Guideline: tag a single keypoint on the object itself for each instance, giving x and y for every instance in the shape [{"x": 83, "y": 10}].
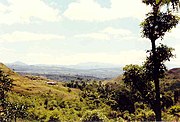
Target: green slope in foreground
[{"x": 44, "y": 100}]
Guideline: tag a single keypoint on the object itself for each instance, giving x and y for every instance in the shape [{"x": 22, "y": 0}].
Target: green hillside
[
  {"x": 85, "y": 100},
  {"x": 37, "y": 86},
  {"x": 36, "y": 92}
]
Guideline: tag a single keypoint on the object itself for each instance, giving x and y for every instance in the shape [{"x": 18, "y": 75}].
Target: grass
[
  {"x": 39, "y": 87},
  {"x": 34, "y": 92}
]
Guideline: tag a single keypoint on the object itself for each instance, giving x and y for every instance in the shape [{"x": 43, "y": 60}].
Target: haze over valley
[{"x": 68, "y": 72}]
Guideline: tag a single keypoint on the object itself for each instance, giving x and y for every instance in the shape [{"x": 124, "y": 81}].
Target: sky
[{"x": 68, "y": 32}]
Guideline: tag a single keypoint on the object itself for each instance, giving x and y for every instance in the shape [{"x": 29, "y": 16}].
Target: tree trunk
[{"x": 156, "y": 82}]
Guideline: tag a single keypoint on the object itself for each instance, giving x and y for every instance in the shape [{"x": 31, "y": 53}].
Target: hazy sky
[{"x": 76, "y": 31}]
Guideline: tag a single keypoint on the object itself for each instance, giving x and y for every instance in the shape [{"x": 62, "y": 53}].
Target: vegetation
[
  {"x": 114, "y": 100},
  {"x": 139, "y": 79},
  {"x": 8, "y": 110},
  {"x": 157, "y": 23}
]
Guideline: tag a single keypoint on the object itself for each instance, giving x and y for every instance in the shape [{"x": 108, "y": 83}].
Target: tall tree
[
  {"x": 139, "y": 78},
  {"x": 157, "y": 23}
]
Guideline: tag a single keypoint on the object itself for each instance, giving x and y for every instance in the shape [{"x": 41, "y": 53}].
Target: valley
[{"x": 95, "y": 71}]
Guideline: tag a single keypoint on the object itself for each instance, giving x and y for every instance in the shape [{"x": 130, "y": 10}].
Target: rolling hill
[
  {"x": 175, "y": 73},
  {"x": 37, "y": 86},
  {"x": 94, "y": 70}
]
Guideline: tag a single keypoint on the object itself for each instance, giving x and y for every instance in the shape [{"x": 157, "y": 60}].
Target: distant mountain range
[
  {"x": 93, "y": 65},
  {"x": 99, "y": 70},
  {"x": 18, "y": 63}
]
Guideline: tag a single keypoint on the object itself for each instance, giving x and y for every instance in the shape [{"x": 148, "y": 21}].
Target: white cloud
[
  {"x": 28, "y": 36},
  {"x": 90, "y": 10},
  {"x": 7, "y": 55},
  {"x": 96, "y": 36},
  {"x": 108, "y": 33},
  {"x": 113, "y": 31},
  {"x": 124, "y": 57},
  {"x": 174, "y": 33},
  {"x": 23, "y": 11},
  {"x": 175, "y": 61},
  {"x": 47, "y": 57},
  {"x": 3, "y": 8}
]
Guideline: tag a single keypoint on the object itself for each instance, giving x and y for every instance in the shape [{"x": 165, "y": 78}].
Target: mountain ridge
[{"x": 99, "y": 71}]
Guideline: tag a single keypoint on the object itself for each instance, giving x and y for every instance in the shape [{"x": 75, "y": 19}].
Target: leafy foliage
[
  {"x": 154, "y": 28},
  {"x": 174, "y": 3},
  {"x": 8, "y": 110},
  {"x": 174, "y": 110},
  {"x": 5, "y": 86},
  {"x": 91, "y": 116},
  {"x": 139, "y": 78},
  {"x": 163, "y": 54},
  {"x": 13, "y": 111},
  {"x": 157, "y": 23}
]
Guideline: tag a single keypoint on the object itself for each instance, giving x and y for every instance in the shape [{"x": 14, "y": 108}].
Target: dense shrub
[
  {"x": 174, "y": 110},
  {"x": 94, "y": 115}
]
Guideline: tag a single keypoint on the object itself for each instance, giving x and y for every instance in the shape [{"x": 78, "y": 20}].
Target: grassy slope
[
  {"x": 35, "y": 92},
  {"x": 26, "y": 86}
]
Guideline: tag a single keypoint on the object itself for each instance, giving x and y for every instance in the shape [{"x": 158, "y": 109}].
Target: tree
[
  {"x": 139, "y": 78},
  {"x": 157, "y": 23},
  {"x": 5, "y": 86},
  {"x": 8, "y": 110}
]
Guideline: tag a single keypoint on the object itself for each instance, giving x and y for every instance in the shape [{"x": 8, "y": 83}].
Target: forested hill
[
  {"x": 172, "y": 80},
  {"x": 175, "y": 72}
]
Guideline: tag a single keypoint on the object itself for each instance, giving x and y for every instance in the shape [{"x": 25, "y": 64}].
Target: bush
[
  {"x": 94, "y": 115},
  {"x": 174, "y": 110}
]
